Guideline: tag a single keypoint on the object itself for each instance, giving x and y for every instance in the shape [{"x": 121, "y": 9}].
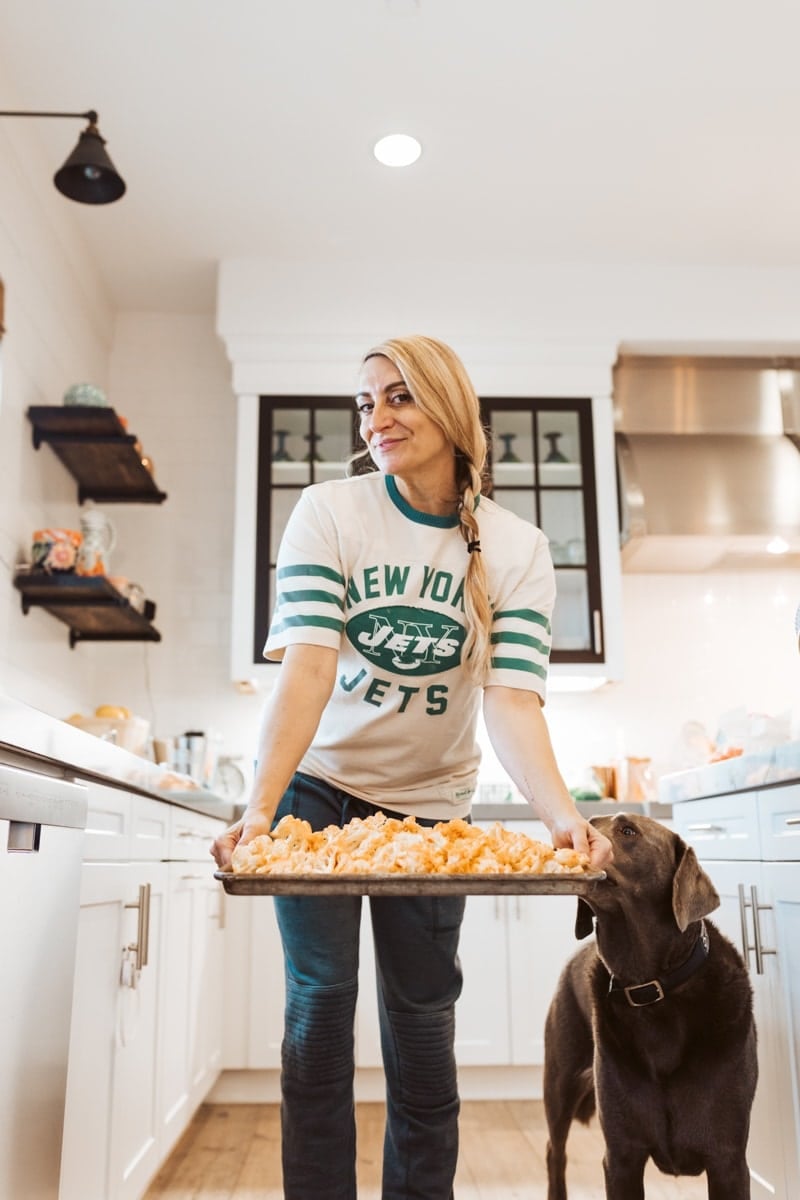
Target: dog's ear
[
  {"x": 584, "y": 920},
  {"x": 693, "y": 894}
]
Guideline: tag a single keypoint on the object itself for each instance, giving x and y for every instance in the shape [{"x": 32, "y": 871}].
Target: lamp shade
[{"x": 88, "y": 175}]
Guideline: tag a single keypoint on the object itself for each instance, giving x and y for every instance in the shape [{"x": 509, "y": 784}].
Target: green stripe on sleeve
[
  {"x": 309, "y": 621},
  {"x": 519, "y": 664},
  {"x": 520, "y": 639},
  {"x": 525, "y": 614},
  {"x": 308, "y": 595},
  {"x": 310, "y": 569}
]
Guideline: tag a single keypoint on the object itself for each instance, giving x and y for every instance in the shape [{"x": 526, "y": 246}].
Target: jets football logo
[{"x": 397, "y": 638}]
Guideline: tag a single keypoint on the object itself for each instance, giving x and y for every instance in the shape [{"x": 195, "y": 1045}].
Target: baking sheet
[{"x": 399, "y": 884}]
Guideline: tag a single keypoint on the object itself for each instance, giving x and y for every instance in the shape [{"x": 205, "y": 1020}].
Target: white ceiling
[{"x": 629, "y": 131}]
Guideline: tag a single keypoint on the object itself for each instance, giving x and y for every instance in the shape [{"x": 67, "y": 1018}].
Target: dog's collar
[{"x": 640, "y": 994}]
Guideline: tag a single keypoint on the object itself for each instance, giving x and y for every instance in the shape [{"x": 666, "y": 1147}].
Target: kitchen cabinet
[
  {"x": 749, "y": 843},
  {"x": 193, "y": 976},
  {"x": 111, "y": 1118},
  {"x": 544, "y": 466},
  {"x": 146, "y": 1021},
  {"x": 97, "y": 450}
]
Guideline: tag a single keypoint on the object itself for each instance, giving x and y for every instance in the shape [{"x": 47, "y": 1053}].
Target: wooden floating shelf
[
  {"x": 89, "y": 605},
  {"x": 98, "y": 452}
]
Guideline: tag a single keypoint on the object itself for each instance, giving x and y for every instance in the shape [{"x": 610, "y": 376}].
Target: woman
[{"x": 404, "y": 597}]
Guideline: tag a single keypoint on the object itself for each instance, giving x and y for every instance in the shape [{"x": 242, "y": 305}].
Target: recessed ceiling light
[{"x": 397, "y": 150}]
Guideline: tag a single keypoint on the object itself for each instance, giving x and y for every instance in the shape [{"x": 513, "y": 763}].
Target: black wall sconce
[{"x": 88, "y": 175}]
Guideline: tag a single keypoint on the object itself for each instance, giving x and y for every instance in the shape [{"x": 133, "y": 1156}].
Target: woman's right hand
[{"x": 253, "y": 822}]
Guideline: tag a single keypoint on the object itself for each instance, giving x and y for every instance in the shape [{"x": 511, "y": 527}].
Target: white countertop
[
  {"x": 53, "y": 745},
  {"x": 766, "y": 768}
]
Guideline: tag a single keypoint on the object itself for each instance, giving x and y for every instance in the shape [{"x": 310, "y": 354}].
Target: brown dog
[{"x": 653, "y": 1025}]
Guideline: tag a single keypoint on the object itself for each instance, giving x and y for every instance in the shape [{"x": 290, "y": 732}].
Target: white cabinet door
[
  {"x": 782, "y": 881},
  {"x": 134, "y": 1152},
  {"x": 266, "y": 991},
  {"x": 206, "y": 984},
  {"x": 176, "y": 1035},
  {"x": 541, "y": 938},
  {"x": 764, "y": 1149},
  {"x": 483, "y": 1016},
  {"x": 110, "y": 1124},
  {"x": 193, "y": 977}
]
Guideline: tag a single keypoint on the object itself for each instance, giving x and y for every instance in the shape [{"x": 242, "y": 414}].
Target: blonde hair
[{"x": 442, "y": 389}]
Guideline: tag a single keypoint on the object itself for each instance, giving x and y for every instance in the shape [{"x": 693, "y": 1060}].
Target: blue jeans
[{"x": 419, "y": 981}]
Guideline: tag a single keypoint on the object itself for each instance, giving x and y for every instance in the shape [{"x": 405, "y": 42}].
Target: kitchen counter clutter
[
  {"x": 35, "y": 740},
  {"x": 778, "y": 764}
]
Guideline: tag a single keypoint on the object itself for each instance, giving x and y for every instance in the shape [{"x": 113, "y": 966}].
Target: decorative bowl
[{"x": 86, "y": 394}]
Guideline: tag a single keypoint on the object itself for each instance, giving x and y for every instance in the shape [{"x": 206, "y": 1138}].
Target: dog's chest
[{"x": 654, "y": 1043}]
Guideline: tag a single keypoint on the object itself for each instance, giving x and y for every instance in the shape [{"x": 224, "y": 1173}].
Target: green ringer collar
[{"x": 413, "y": 514}]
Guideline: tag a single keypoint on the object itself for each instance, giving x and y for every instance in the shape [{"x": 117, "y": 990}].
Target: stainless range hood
[{"x": 708, "y": 462}]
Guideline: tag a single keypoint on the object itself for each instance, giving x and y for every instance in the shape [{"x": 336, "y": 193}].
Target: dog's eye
[{"x": 629, "y": 831}]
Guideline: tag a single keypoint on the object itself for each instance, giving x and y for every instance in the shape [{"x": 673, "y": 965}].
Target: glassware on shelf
[
  {"x": 281, "y": 454},
  {"x": 508, "y": 455},
  {"x": 554, "y": 454},
  {"x": 313, "y": 454}
]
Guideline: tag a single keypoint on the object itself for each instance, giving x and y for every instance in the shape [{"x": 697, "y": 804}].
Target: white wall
[
  {"x": 696, "y": 647},
  {"x": 59, "y": 329},
  {"x": 171, "y": 378}
]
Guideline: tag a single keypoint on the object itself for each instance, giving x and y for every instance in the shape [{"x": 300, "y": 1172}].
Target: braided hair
[{"x": 441, "y": 388}]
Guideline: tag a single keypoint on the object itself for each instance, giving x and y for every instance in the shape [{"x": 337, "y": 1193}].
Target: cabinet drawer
[
  {"x": 779, "y": 811},
  {"x": 149, "y": 829},
  {"x": 191, "y": 835},
  {"x": 720, "y": 826},
  {"x": 108, "y": 824}
]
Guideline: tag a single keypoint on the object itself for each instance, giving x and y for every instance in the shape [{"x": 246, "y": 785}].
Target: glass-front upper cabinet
[
  {"x": 301, "y": 440},
  {"x": 542, "y": 467}
]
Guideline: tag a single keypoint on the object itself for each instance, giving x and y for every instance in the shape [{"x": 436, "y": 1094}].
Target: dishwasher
[{"x": 42, "y": 824}]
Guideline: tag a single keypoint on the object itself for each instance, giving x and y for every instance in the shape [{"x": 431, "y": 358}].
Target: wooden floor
[{"x": 232, "y": 1152}]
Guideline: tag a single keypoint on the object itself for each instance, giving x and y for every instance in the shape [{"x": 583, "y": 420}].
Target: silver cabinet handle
[
  {"x": 141, "y": 946},
  {"x": 760, "y": 951},
  {"x": 792, "y": 821},
  {"x": 705, "y": 827},
  {"x": 743, "y": 907}
]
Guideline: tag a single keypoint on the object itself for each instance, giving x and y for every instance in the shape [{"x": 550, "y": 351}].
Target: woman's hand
[
  {"x": 582, "y": 836},
  {"x": 252, "y": 823}
]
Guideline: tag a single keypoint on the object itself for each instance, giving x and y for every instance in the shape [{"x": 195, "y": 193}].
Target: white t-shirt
[{"x": 363, "y": 572}]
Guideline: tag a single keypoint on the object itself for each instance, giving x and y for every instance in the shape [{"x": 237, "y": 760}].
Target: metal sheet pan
[{"x": 399, "y": 884}]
